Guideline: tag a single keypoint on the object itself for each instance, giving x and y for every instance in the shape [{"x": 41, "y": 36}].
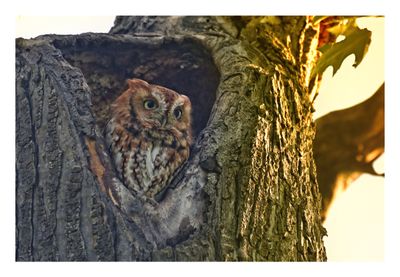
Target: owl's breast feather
[{"x": 151, "y": 154}]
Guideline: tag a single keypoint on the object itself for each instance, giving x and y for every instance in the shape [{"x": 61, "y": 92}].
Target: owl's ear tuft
[
  {"x": 135, "y": 83},
  {"x": 186, "y": 99}
]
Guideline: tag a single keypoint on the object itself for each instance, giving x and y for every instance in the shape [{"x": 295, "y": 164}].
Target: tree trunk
[{"x": 249, "y": 189}]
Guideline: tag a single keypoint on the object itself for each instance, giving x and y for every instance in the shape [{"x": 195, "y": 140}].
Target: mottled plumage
[{"x": 149, "y": 135}]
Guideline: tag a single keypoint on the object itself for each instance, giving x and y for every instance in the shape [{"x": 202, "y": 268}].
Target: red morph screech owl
[{"x": 149, "y": 136}]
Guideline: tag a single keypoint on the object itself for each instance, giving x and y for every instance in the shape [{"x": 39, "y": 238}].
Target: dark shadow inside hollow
[{"x": 182, "y": 65}]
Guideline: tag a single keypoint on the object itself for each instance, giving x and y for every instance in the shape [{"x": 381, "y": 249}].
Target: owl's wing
[
  {"x": 174, "y": 179},
  {"x": 111, "y": 138}
]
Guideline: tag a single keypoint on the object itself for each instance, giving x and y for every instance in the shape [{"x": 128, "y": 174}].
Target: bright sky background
[
  {"x": 355, "y": 220},
  {"x": 33, "y": 26}
]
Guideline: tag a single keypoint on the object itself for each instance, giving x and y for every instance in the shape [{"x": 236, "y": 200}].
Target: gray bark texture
[{"x": 249, "y": 189}]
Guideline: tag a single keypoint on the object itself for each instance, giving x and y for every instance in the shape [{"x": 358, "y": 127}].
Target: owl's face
[{"x": 156, "y": 108}]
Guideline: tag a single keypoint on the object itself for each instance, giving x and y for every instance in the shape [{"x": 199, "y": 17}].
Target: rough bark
[
  {"x": 347, "y": 143},
  {"x": 248, "y": 191}
]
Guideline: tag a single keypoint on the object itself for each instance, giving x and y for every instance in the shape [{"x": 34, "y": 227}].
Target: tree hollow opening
[{"x": 181, "y": 64}]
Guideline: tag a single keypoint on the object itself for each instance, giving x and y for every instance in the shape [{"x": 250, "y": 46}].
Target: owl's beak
[{"x": 163, "y": 121}]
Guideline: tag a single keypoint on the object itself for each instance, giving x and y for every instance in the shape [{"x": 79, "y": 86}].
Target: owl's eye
[
  {"x": 178, "y": 113},
  {"x": 150, "y": 104}
]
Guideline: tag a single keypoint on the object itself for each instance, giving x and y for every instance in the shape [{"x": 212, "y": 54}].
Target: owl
[{"x": 149, "y": 136}]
